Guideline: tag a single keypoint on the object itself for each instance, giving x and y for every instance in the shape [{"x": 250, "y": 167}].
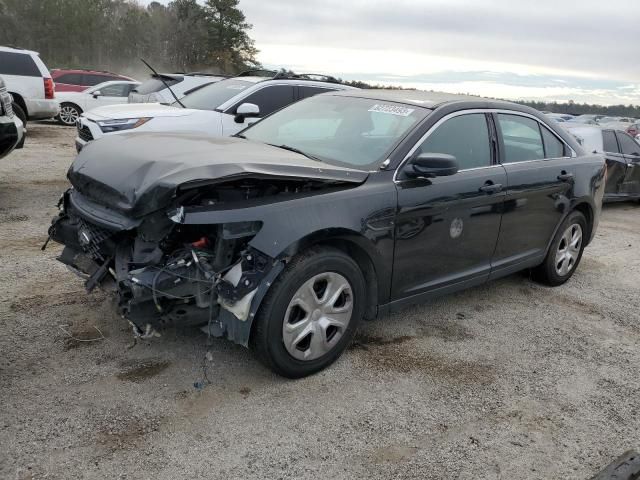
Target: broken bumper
[{"x": 161, "y": 276}]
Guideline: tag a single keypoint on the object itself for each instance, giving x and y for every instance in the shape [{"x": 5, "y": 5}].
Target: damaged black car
[{"x": 342, "y": 207}]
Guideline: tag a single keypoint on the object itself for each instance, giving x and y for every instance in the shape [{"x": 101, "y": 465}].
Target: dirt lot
[{"x": 509, "y": 380}]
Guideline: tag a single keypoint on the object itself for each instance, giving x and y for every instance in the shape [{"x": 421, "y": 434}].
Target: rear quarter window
[{"x": 12, "y": 63}]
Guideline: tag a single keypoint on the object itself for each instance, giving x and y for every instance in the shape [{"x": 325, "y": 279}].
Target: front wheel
[
  {"x": 69, "y": 114},
  {"x": 310, "y": 313},
  {"x": 565, "y": 252}
]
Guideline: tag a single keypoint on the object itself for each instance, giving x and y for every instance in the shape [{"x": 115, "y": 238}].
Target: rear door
[
  {"x": 630, "y": 184},
  {"x": 540, "y": 182},
  {"x": 616, "y": 164},
  {"x": 447, "y": 227}
]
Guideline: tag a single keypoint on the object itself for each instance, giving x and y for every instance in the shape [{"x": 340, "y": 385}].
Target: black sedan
[
  {"x": 622, "y": 153},
  {"x": 339, "y": 208}
]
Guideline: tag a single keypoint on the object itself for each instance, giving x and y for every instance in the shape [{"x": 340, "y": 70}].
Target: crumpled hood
[
  {"x": 138, "y": 173},
  {"x": 136, "y": 110}
]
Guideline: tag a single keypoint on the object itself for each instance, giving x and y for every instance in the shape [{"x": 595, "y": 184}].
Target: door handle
[
  {"x": 565, "y": 177},
  {"x": 491, "y": 187}
]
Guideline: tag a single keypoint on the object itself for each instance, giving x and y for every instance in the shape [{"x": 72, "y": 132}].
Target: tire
[
  {"x": 17, "y": 109},
  {"x": 69, "y": 114},
  {"x": 558, "y": 267},
  {"x": 291, "y": 323}
]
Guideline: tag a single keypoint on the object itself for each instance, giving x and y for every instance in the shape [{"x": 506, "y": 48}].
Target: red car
[{"x": 79, "y": 80}]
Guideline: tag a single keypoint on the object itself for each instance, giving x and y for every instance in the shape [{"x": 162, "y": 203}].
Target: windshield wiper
[
  {"x": 296, "y": 150},
  {"x": 239, "y": 135}
]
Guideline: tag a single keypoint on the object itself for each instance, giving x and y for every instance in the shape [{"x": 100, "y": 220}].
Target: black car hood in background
[{"x": 138, "y": 173}]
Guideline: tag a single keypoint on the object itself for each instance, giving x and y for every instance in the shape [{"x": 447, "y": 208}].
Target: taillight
[{"x": 49, "y": 89}]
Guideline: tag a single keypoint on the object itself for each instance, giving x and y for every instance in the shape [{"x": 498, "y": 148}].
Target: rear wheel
[
  {"x": 69, "y": 114},
  {"x": 565, "y": 252},
  {"x": 310, "y": 313}
]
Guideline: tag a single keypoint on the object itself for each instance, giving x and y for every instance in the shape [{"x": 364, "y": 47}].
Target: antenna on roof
[{"x": 159, "y": 77}]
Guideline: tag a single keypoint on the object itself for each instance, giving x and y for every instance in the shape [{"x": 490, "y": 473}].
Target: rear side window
[
  {"x": 609, "y": 143},
  {"x": 270, "y": 99},
  {"x": 521, "y": 137},
  {"x": 306, "y": 91},
  {"x": 628, "y": 145},
  {"x": 12, "y": 63},
  {"x": 155, "y": 85},
  {"x": 553, "y": 148},
  {"x": 466, "y": 137}
]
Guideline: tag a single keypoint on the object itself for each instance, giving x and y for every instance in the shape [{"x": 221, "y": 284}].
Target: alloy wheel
[
  {"x": 317, "y": 316},
  {"x": 568, "y": 249},
  {"x": 69, "y": 115}
]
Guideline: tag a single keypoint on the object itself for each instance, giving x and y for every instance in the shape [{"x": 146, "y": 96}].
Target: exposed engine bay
[{"x": 167, "y": 273}]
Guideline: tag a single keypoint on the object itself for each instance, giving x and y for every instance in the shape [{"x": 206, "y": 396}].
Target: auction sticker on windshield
[{"x": 392, "y": 109}]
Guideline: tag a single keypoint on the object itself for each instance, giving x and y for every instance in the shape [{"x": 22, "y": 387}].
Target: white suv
[
  {"x": 29, "y": 82},
  {"x": 221, "y": 109}
]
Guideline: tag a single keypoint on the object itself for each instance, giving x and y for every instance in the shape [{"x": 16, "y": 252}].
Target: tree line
[
  {"x": 115, "y": 34},
  {"x": 585, "y": 108}
]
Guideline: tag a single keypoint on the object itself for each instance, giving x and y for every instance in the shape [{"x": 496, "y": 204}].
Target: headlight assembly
[{"x": 108, "y": 126}]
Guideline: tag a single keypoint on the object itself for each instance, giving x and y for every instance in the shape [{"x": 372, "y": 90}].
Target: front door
[
  {"x": 268, "y": 99},
  {"x": 540, "y": 180},
  {"x": 447, "y": 227}
]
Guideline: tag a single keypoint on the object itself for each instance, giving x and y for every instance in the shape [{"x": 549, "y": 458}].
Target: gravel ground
[{"x": 508, "y": 380}]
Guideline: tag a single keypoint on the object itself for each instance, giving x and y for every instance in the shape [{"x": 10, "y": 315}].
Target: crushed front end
[{"x": 166, "y": 273}]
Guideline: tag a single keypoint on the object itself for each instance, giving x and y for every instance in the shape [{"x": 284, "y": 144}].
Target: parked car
[
  {"x": 11, "y": 127},
  {"x": 220, "y": 109},
  {"x": 634, "y": 129},
  {"x": 154, "y": 90},
  {"x": 29, "y": 82},
  {"x": 560, "y": 117},
  {"x": 79, "y": 80},
  {"x": 615, "y": 121},
  {"x": 589, "y": 119},
  {"x": 339, "y": 207},
  {"x": 622, "y": 153},
  {"x": 72, "y": 104}
]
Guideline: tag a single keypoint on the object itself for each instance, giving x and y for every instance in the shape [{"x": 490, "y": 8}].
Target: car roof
[
  {"x": 430, "y": 100},
  {"x": 113, "y": 82},
  {"x": 18, "y": 50}
]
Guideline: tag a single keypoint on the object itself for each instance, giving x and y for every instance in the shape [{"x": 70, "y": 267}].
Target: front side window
[
  {"x": 344, "y": 131},
  {"x": 521, "y": 137},
  {"x": 609, "y": 143},
  {"x": 70, "y": 79},
  {"x": 466, "y": 137},
  {"x": 628, "y": 145},
  {"x": 269, "y": 99},
  {"x": 213, "y": 95},
  {"x": 117, "y": 90}
]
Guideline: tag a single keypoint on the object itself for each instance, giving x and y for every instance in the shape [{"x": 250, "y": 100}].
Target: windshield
[
  {"x": 214, "y": 95},
  {"x": 344, "y": 131}
]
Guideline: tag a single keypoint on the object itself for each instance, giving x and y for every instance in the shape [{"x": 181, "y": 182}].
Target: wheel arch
[
  {"x": 587, "y": 210},
  {"x": 358, "y": 247},
  {"x": 80, "y": 110},
  {"x": 20, "y": 101}
]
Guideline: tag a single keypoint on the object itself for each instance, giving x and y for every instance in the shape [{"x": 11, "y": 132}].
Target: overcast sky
[{"x": 584, "y": 50}]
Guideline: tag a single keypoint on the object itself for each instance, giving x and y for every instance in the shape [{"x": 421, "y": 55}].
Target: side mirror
[
  {"x": 429, "y": 165},
  {"x": 96, "y": 94},
  {"x": 246, "y": 110}
]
